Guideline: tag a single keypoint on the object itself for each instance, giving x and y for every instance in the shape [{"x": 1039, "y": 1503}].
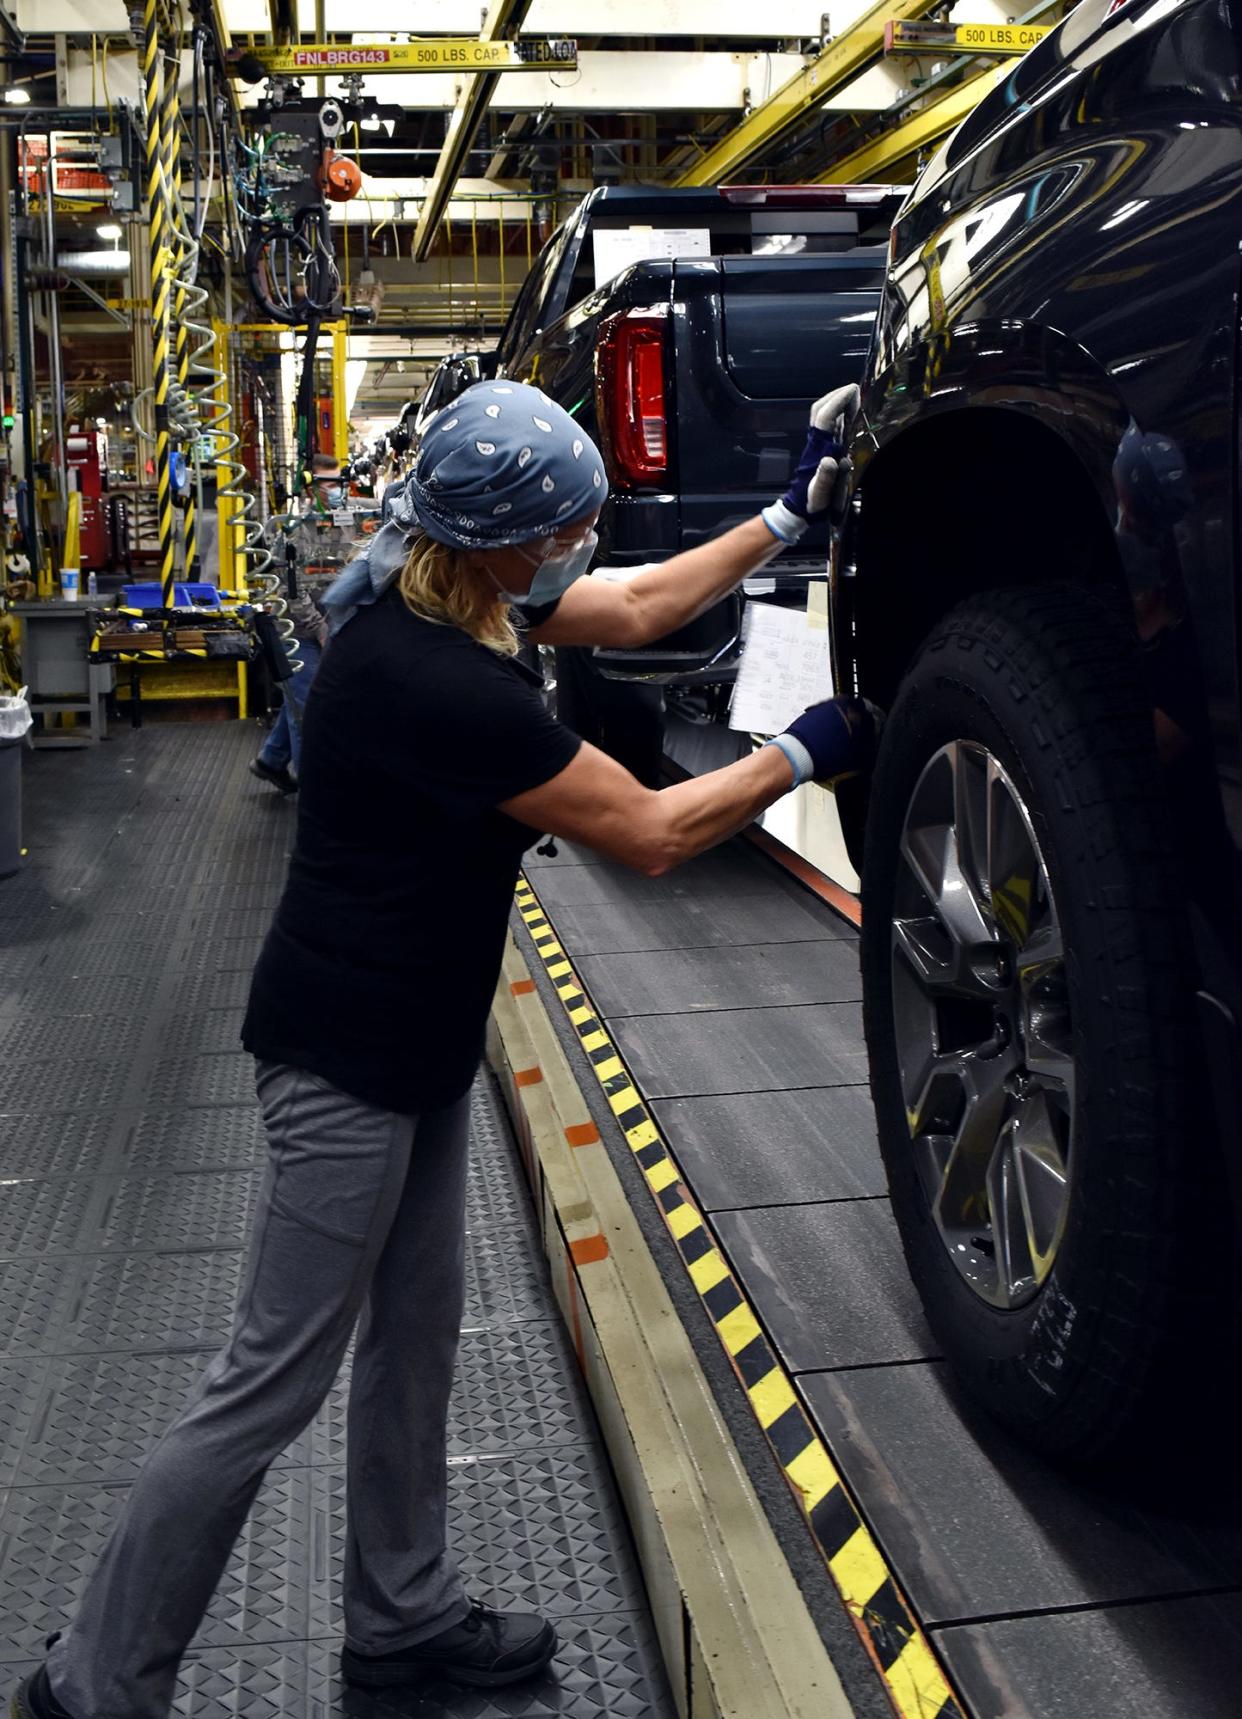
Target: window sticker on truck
[{"x": 617, "y": 248}]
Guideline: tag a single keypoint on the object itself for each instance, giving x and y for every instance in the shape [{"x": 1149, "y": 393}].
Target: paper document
[
  {"x": 785, "y": 666},
  {"x": 617, "y": 248}
]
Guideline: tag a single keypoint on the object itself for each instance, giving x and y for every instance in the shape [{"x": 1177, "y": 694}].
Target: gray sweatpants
[{"x": 361, "y": 1212}]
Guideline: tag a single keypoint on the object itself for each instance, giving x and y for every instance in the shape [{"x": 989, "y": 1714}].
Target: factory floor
[
  {"x": 130, "y": 1147},
  {"x": 714, "y": 1017}
]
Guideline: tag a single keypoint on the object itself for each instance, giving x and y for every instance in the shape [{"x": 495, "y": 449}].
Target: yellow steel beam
[
  {"x": 841, "y": 60},
  {"x": 504, "y": 19},
  {"x": 877, "y": 160},
  {"x": 434, "y": 54}
]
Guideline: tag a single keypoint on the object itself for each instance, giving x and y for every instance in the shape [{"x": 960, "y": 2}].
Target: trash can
[{"x": 15, "y": 722}]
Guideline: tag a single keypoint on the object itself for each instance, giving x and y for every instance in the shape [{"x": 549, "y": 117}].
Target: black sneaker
[
  {"x": 33, "y": 1698},
  {"x": 486, "y": 1649},
  {"x": 278, "y": 778}
]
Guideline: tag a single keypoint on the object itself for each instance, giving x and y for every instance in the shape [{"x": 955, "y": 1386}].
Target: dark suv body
[{"x": 1038, "y": 577}]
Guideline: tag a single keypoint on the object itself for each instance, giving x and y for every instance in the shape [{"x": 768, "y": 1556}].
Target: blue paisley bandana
[{"x": 503, "y": 464}]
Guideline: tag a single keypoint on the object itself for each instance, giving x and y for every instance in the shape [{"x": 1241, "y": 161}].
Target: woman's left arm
[
  {"x": 626, "y": 613},
  {"x": 661, "y": 599}
]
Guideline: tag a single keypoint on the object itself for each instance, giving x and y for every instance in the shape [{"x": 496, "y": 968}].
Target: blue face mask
[
  {"x": 555, "y": 573},
  {"x": 333, "y": 495}
]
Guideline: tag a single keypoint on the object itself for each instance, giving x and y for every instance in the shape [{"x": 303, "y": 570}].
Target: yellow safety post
[
  {"x": 161, "y": 328},
  {"x": 500, "y": 245},
  {"x": 72, "y": 556},
  {"x": 170, "y": 125},
  {"x": 340, "y": 424}
]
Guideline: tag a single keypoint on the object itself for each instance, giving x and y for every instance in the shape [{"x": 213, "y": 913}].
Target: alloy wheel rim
[{"x": 982, "y": 1023}]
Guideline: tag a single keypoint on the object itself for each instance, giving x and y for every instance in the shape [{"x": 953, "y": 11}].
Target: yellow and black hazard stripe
[
  {"x": 912, "y": 1674},
  {"x": 161, "y": 268},
  {"x": 170, "y": 125}
]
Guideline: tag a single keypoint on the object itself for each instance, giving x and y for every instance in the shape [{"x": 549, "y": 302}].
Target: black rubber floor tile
[
  {"x": 218, "y": 1137},
  {"x": 230, "y": 897},
  {"x": 211, "y": 1209},
  {"x": 205, "y": 1032},
  {"x": 517, "y": 1389},
  {"x": 1170, "y": 1659},
  {"x": 65, "y": 1083},
  {"x": 97, "y": 1416},
  {"x": 259, "y": 1682},
  {"x": 232, "y": 921},
  {"x": 724, "y": 871},
  {"x": 776, "y": 1148},
  {"x": 505, "y": 1277},
  {"x": 33, "y": 1035},
  {"x": 99, "y": 957},
  {"x": 23, "y": 1381},
  {"x": 829, "y": 1281},
  {"x": 221, "y": 955},
  {"x": 51, "y": 1538},
  {"x": 974, "y": 1526},
  {"x": 754, "y": 976},
  {"x": 608, "y": 1667},
  {"x": 744, "y": 1050},
  {"x": 265, "y": 1591},
  {"x": 46, "y": 1216},
  {"x": 542, "y": 1531},
  {"x": 539, "y": 1532},
  {"x": 66, "y": 1143},
  {"x": 194, "y": 991},
  {"x": 207, "y": 1079},
  {"x": 36, "y": 1304},
  {"x": 103, "y": 993},
  {"x": 496, "y": 1199},
  {"x": 153, "y": 1301},
  {"x": 717, "y": 922}
]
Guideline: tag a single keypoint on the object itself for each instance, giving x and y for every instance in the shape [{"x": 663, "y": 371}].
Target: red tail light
[{"x": 632, "y": 398}]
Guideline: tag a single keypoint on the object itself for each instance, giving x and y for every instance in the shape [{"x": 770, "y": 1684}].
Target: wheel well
[{"x": 1018, "y": 508}]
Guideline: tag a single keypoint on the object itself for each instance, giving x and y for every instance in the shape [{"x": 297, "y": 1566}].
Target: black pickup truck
[
  {"x": 1039, "y": 579},
  {"x": 694, "y": 367}
]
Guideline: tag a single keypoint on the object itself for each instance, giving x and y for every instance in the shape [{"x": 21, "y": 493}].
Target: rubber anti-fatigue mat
[{"x": 130, "y": 1151}]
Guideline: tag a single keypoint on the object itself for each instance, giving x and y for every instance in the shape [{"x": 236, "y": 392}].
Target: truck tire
[{"x": 1029, "y": 1018}]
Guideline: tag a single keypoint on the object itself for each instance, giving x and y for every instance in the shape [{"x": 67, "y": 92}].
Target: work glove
[
  {"x": 820, "y": 479},
  {"x": 831, "y": 741}
]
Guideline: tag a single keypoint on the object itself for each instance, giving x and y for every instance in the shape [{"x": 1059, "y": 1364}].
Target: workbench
[{"x": 57, "y": 670}]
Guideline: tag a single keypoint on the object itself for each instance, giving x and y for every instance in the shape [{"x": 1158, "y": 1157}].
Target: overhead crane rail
[{"x": 432, "y": 54}]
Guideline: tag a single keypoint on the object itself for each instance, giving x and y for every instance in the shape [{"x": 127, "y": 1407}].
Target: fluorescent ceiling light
[{"x": 17, "y": 95}]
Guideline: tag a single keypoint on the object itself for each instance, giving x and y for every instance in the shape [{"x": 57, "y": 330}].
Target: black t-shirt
[{"x": 379, "y": 969}]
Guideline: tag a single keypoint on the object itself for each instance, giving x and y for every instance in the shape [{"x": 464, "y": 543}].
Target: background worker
[
  {"x": 430, "y": 763},
  {"x": 283, "y": 746}
]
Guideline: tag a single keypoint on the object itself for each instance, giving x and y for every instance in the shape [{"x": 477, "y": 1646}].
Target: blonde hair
[{"x": 437, "y": 584}]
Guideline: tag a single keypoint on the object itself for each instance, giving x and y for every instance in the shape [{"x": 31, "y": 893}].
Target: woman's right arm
[
  {"x": 638, "y": 610},
  {"x": 598, "y": 803}
]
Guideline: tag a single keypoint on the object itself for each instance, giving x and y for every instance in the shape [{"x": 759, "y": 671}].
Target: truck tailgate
[{"x": 761, "y": 339}]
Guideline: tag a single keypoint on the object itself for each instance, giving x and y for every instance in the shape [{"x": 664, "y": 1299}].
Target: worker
[{"x": 430, "y": 762}]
